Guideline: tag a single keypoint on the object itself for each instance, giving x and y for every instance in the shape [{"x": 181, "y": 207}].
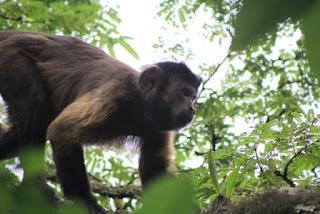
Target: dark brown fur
[{"x": 62, "y": 89}]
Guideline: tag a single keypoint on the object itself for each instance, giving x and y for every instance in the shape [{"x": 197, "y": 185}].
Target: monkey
[{"x": 62, "y": 89}]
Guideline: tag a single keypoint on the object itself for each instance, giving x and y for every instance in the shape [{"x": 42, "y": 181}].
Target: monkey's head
[{"x": 170, "y": 90}]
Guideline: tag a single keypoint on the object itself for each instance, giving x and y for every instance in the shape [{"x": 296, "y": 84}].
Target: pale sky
[{"x": 139, "y": 21}]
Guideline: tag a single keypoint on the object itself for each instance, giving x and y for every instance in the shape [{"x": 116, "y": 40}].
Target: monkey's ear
[{"x": 149, "y": 77}]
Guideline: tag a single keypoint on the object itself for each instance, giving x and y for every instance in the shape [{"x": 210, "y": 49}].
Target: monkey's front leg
[
  {"x": 71, "y": 171},
  {"x": 156, "y": 157},
  {"x": 75, "y": 125}
]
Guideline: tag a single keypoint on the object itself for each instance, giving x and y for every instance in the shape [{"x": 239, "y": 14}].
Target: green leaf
[
  {"x": 73, "y": 208},
  {"x": 256, "y": 18},
  {"x": 128, "y": 48},
  {"x": 110, "y": 44},
  {"x": 114, "y": 15},
  {"x": 32, "y": 161},
  {"x": 213, "y": 171},
  {"x": 231, "y": 182},
  {"x": 30, "y": 200},
  {"x": 181, "y": 13},
  {"x": 311, "y": 32},
  {"x": 168, "y": 195}
]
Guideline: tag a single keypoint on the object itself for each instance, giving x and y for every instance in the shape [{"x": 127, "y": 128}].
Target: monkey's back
[{"x": 68, "y": 66}]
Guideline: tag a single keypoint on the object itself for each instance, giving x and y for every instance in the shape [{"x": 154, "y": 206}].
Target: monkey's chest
[{"x": 121, "y": 125}]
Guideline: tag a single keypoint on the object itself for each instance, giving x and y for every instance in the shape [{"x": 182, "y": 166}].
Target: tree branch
[
  {"x": 280, "y": 200},
  {"x": 16, "y": 19},
  {"x": 284, "y": 175},
  {"x": 96, "y": 185},
  {"x": 106, "y": 191}
]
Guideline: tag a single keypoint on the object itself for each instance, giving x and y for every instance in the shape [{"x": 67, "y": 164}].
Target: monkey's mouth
[{"x": 185, "y": 119}]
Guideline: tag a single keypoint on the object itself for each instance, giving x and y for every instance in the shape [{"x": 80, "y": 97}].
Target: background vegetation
[{"x": 257, "y": 124}]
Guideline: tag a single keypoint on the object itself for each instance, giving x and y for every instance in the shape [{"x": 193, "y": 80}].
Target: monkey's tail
[{"x": 9, "y": 144}]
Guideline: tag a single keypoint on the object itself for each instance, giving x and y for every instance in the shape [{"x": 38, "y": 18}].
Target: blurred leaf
[
  {"x": 231, "y": 182},
  {"x": 32, "y": 162},
  {"x": 259, "y": 17},
  {"x": 311, "y": 32},
  {"x": 168, "y": 195},
  {"x": 128, "y": 48},
  {"x": 110, "y": 44},
  {"x": 182, "y": 13},
  {"x": 75, "y": 208},
  {"x": 29, "y": 200},
  {"x": 213, "y": 171}
]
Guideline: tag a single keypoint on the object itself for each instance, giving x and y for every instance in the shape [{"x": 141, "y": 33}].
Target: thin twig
[
  {"x": 17, "y": 19},
  {"x": 258, "y": 160},
  {"x": 284, "y": 175},
  {"x": 205, "y": 82},
  {"x": 285, "y": 178}
]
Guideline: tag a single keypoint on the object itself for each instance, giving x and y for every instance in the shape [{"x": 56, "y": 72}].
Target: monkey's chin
[
  {"x": 183, "y": 121},
  {"x": 175, "y": 123},
  {"x": 178, "y": 124}
]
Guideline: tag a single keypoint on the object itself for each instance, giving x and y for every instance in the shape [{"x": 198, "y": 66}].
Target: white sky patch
[
  {"x": 140, "y": 22},
  {"x": 193, "y": 162},
  {"x": 288, "y": 43},
  {"x": 240, "y": 126}
]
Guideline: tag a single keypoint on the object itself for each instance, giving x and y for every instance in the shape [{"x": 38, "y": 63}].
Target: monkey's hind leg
[
  {"x": 26, "y": 97},
  {"x": 28, "y": 109}
]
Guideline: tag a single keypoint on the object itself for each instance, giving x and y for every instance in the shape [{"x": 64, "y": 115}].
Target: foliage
[
  {"x": 269, "y": 13},
  {"x": 17, "y": 198},
  {"x": 257, "y": 123},
  {"x": 168, "y": 195},
  {"x": 82, "y": 18}
]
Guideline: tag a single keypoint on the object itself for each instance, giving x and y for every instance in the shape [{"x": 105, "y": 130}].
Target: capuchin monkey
[{"x": 64, "y": 90}]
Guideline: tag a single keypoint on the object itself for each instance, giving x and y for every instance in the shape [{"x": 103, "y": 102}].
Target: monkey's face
[
  {"x": 174, "y": 104},
  {"x": 170, "y": 90}
]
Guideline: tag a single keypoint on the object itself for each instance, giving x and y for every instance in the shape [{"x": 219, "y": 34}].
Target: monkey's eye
[{"x": 186, "y": 92}]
